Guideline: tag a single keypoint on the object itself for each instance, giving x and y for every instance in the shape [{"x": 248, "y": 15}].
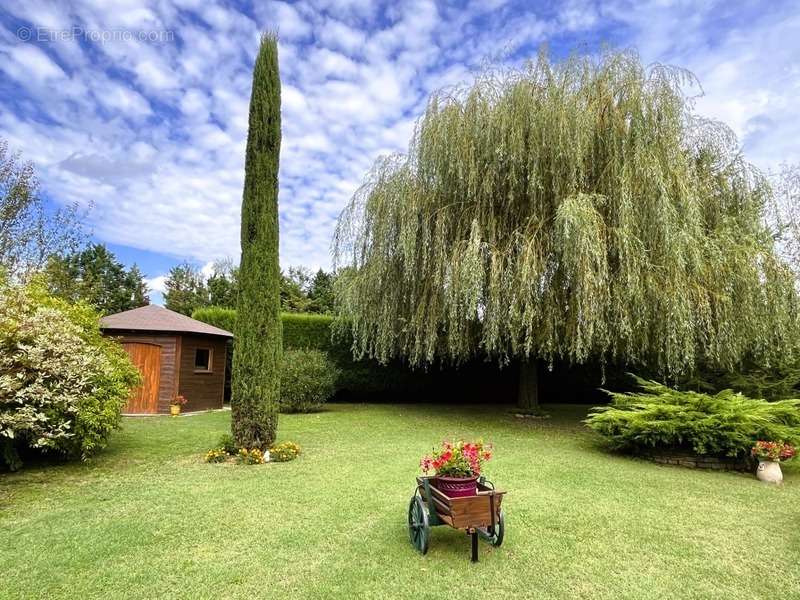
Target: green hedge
[
  {"x": 369, "y": 380},
  {"x": 307, "y": 330},
  {"x": 313, "y": 331},
  {"x": 224, "y": 318}
]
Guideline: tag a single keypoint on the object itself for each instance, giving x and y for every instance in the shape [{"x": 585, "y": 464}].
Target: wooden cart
[{"x": 479, "y": 516}]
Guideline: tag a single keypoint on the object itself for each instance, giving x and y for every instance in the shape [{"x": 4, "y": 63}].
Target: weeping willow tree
[{"x": 573, "y": 211}]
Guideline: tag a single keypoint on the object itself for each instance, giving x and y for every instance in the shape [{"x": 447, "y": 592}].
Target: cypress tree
[
  {"x": 255, "y": 383},
  {"x": 574, "y": 211}
]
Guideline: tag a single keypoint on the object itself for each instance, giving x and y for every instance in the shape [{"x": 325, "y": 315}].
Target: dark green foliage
[
  {"x": 357, "y": 379},
  {"x": 308, "y": 380},
  {"x": 255, "y": 381},
  {"x": 294, "y": 290},
  {"x": 186, "y": 289},
  {"x": 770, "y": 383},
  {"x": 302, "y": 292},
  {"x": 223, "y": 285},
  {"x": 95, "y": 276},
  {"x": 725, "y": 424},
  {"x": 320, "y": 292}
]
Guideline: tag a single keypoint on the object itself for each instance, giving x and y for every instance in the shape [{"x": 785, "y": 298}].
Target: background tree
[
  {"x": 95, "y": 276},
  {"x": 321, "y": 293},
  {"x": 185, "y": 289},
  {"x": 294, "y": 290},
  {"x": 567, "y": 211},
  {"x": 29, "y": 234},
  {"x": 302, "y": 291},
  {"x": 223, "y": 284},
  {"x": 258, "y": 349}
]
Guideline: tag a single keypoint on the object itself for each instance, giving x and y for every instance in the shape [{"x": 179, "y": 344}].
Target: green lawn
[{"x": 148, "y": 519}]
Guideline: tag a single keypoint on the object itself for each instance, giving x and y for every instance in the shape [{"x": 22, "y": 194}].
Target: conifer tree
[{"x": 255, "y": 382}]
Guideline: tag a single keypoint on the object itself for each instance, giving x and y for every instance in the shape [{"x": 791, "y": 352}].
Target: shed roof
[{"x": 157, "y": 318}]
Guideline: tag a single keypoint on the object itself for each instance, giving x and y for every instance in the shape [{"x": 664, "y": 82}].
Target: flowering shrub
[
  {"x": 216, "y": 455},
  {"x": 250, "y": 457},
  {"x": 284, "y": 452},
  {"x": 178, "y": 401},
  {"x": 62, "y": 384},
  {"x": 457, "y": 459},
  {"x": 773, "y": 450}
]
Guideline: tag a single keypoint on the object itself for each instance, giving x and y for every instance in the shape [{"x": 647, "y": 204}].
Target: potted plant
[
  {"x": 175, "y": 405},
  {"x": 457, "y": 466},
  {"x": 769, "y": 455}
]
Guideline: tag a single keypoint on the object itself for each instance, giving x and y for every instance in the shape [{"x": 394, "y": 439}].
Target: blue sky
[{"x": 140, "y": 108}]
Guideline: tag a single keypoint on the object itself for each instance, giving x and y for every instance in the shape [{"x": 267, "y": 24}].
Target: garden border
[{"x": 697, "y": 461}]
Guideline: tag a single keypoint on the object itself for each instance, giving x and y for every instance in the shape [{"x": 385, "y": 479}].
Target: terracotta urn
[{"x": 769, "y": 471}]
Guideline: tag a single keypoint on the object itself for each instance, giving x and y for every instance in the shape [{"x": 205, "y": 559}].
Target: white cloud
[
  {"x": 25, "y": 62},
  {"x": 153, "y": 134},
  {"x": 285, "y": 18},
  {"x": 157, "y": 284},
  {"x": 339, "y": 36}
]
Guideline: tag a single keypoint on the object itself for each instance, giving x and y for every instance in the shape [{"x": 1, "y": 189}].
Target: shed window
[{"x": 202, "y": 360}]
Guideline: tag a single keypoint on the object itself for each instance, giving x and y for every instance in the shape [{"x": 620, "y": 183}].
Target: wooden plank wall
[
  {"x": 202, "y": 390},
  {"x": 168, "y": 383}
]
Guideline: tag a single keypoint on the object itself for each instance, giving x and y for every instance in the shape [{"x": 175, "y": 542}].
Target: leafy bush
[
  {"x": 62, "y": 384},
  {"x": 284, "y": 452},
  {"x": 308, "y": 379},
  {"x": 725, "y": 424},
  {"x": 227, "y": 444}
]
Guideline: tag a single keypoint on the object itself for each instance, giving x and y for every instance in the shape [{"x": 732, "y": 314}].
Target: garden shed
[{"x": 176, "y": 355}]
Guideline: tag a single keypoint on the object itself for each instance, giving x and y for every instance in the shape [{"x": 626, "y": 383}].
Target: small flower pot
[
  {"x": 457, "y": 487},
  {"x": 769, "y": 471},
  {"x": 174, "y": 409}
]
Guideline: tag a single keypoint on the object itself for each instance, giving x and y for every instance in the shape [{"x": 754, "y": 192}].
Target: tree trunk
[{"x": 528, "y": 397}]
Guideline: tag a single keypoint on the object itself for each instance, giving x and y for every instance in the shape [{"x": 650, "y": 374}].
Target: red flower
[{"x": 457, "y": 459}]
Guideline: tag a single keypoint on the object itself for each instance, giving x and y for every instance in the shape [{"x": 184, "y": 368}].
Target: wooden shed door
[{"x": 147, "y": 358}]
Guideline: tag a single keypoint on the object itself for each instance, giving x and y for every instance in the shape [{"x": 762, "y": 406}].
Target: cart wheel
[
  {"x": 496, "y": 540},
  {"x": 419, "y": 529}
]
